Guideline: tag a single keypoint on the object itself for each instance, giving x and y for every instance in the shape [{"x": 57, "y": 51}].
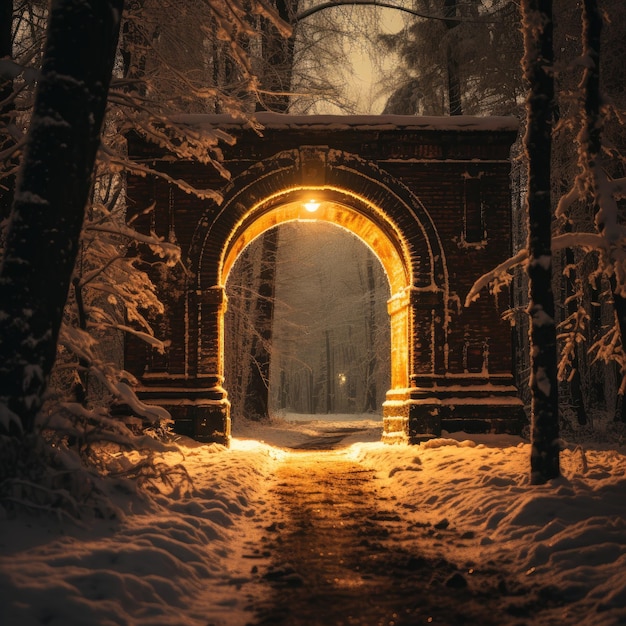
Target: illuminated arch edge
[
  {"x": 288, "y": 207},
  {"x": 382, "y": 199}
]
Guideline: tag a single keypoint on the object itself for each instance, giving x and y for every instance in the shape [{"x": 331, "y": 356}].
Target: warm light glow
[
  {"x": 391, "y": 252},
  {"x": 311, "y": 206}
]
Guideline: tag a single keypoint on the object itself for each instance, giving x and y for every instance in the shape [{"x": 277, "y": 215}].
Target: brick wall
[{"x": 432, "y": 163}]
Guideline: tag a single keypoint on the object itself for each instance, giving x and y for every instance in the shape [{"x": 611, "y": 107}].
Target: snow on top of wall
[{"x": 355, "y": 122}]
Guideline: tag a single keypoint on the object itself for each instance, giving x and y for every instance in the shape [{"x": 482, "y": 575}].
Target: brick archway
[{"x": 404, "y": 193}]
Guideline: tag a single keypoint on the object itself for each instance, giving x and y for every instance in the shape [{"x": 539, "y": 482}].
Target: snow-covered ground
[{"x": 189, "y": 558}]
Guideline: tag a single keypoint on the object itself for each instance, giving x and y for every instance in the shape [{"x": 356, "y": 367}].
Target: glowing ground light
[{"x": 311, "y": 206}]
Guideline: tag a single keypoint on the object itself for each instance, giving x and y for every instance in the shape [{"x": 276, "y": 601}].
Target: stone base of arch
[
  {"x": 199, "y": 412},
  {"x": 466, "y": 404}
]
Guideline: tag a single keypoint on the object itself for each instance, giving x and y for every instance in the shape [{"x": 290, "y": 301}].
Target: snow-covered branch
[
  {"x": 499, "y": 276},
  {"x": 117, "y": 163},
  {"x": 168, "y": 251}
]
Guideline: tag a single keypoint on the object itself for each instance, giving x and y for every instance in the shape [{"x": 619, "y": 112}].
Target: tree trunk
[
  {"x": 276, "y": 83},
  {"x": 591, "y": 154},
  {"x": 52, "y": 191},
  {"x": 278, "y": 55},
  {"x": 370, "y": 391},
  {"x": 452, "y": 59},
  {"x": 240, "y": 315},
  {"x": 256, "y": 401},
  {"x": 329, "y": 374},
  {"x": 537, "y": 65}
]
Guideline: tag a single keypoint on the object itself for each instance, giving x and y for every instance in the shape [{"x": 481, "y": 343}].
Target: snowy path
[
  {"x": 276, "y": 530},
  {"x": 341, "y": 555}
]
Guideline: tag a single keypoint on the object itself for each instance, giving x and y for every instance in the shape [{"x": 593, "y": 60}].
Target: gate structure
[{"x": 431, "y": 198}]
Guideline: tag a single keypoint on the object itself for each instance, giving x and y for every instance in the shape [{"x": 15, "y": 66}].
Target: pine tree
[{"x": 464, "y": 62}]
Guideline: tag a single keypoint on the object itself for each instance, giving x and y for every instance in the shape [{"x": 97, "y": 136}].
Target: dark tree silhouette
[
  {"x": 256, "y": 400},
  {"x": 537, "y": 64},
  {"x": 52, "y": 190},
  {"x": 372, "y": 329},
  {"x": 452, "y": 58},
  {"x": 591, "y": 161}
]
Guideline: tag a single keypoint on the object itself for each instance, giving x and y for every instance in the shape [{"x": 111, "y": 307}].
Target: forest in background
[
  {"x": 330, "y": 343},
  {"x": 282, "y": 56}
]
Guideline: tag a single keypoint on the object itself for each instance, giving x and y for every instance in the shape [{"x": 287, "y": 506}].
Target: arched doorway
[
  {"x": 319, "y": 349},
  {"x": 392, "y": 255},
  {"x": 362, "y": 199}
]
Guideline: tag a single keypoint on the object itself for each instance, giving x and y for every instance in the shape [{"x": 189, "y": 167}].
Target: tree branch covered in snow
[
  {"x": 500, "y": 276},
  {"x": 593, "y": 203},
  {"x": 497, "y": 278},
  {"x": 199, "y": 62},
  {"x": 589, "y": 230}
]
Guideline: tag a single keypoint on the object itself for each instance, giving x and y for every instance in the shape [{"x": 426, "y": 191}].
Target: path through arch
[
  {"x": 330, "y": 347},
  {"x": 334, "y": 558}
]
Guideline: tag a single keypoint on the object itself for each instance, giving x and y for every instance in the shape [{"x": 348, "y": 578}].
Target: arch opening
[
  {"x": 384, "y": 242},
  {"x": 330, "y": 346}
]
